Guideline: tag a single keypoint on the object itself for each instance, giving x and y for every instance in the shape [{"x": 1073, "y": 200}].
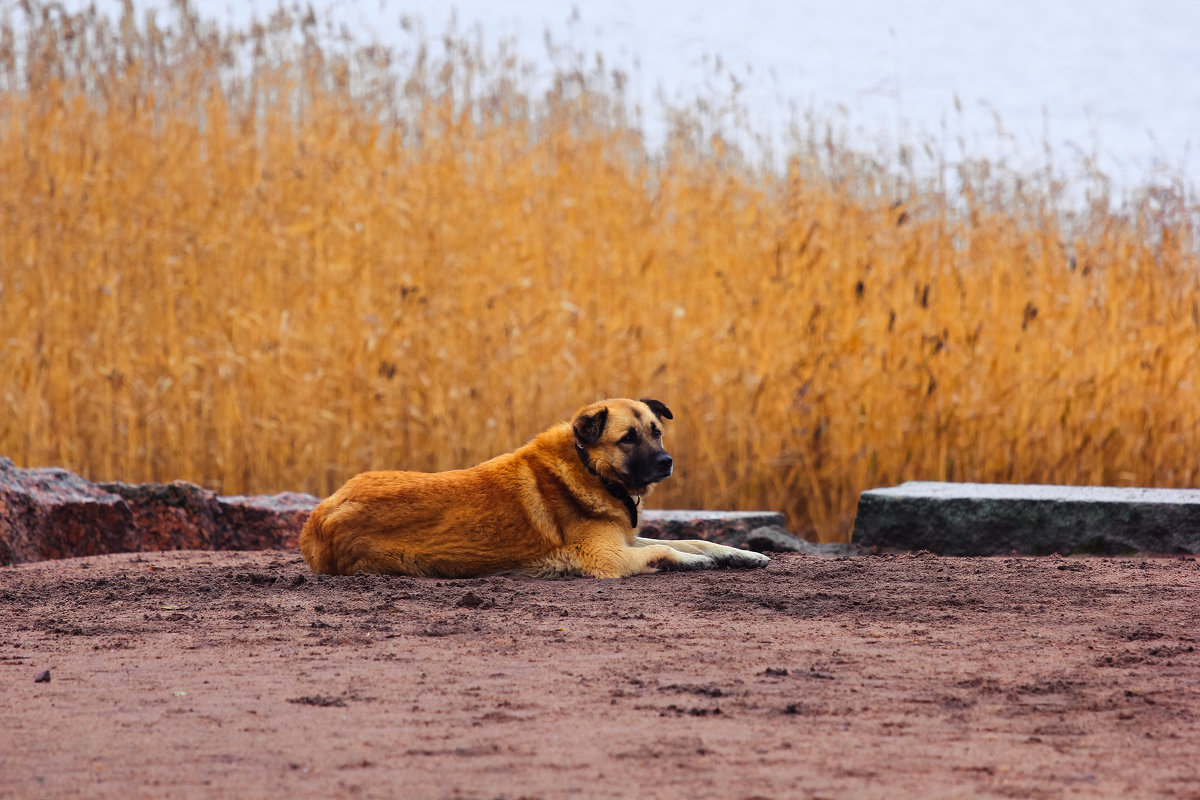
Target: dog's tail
[{"x": 316, "y": 544}]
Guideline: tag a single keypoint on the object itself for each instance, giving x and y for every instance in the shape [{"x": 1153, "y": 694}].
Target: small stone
[
  {"x": 43, "y": 677},
  {"x": 470, "y": 600}
]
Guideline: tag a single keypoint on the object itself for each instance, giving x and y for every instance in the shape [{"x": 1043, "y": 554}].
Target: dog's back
[{"x": 448, "y": 524}]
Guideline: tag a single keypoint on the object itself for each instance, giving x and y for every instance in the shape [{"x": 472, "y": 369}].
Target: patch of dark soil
[{"x": 320, "y": 700}]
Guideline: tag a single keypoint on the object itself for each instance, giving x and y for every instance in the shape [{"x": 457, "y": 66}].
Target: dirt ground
[{"x": 199, "y": 674}]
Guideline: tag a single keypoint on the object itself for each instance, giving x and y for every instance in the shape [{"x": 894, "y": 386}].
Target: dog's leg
[
  {"x": 616, "y": 561},
  {"x": 723, "y": 555},
  {"x": 621, "y": 561},
  {"x": 601, "y": 551}
]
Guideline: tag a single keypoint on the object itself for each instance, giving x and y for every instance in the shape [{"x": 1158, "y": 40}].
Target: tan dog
[{"x": 565, "y": 503}]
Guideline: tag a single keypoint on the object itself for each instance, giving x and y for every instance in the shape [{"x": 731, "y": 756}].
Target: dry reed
[{"x": 258, "y": 260}]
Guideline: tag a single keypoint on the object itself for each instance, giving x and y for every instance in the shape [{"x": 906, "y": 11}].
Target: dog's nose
[{"x": 663, "y": 462}]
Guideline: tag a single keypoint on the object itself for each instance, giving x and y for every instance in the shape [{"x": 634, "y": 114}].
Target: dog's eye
[
  {"x": 630, "y": 437},
  {"x": 655, "y": 432}
]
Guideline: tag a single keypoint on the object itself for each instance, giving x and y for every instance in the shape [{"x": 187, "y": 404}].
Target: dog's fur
[{"x": 565, "y": 503}]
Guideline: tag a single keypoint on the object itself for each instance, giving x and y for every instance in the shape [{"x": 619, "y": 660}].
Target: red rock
[
  {"x": 51, "y": 513},
  {"x": 261, "y": 522},
  {"x": 169, "y": 516}
]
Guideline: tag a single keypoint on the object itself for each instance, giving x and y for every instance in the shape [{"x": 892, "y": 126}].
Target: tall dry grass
[{"x": 262, "y": 260}]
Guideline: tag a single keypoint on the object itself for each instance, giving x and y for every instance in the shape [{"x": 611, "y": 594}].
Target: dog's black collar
[{"x": 615, "y": 489}]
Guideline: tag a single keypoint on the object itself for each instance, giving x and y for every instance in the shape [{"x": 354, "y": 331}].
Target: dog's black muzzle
[{"x": 652, "y": 469}]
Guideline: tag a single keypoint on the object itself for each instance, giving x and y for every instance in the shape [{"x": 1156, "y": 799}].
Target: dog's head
[{"x": 621, "y": 441}]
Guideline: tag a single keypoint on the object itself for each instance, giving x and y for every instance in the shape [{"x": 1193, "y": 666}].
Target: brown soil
[{"x": 241, "y": 674}]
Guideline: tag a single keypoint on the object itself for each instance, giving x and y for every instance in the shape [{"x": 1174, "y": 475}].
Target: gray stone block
[
  {"x": 723, "y": 527},
  {"x": 769, "y": 539},
  {"x": 761, "y": 531},
  {"x": 978, "y": 519}
]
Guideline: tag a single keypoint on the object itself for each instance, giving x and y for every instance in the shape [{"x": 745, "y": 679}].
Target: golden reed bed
[{"x": 260, "y": 261}]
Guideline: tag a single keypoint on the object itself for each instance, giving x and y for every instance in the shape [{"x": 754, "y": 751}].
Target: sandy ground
[{"x": 242, "y": 675}]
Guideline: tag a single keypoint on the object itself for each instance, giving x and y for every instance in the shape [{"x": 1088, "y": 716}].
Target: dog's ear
[
  {"x": 658, "y": 407},
  {"x": 590, "y": 427}
]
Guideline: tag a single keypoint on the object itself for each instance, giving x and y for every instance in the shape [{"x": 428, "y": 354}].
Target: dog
[{"x": 566, "y": 503}]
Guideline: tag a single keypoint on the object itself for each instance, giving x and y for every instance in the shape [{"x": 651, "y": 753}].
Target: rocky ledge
[
  {"x": 47, "y": 513},
  {"x": 52, "y": 513}
]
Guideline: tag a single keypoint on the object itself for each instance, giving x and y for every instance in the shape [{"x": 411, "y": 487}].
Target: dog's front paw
[
  {"x": 733, "y": 558},
  {"x": 683, "y": 562}
]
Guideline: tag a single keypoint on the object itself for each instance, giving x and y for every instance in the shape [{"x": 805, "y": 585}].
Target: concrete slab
[{"x": 975, "y": 519}]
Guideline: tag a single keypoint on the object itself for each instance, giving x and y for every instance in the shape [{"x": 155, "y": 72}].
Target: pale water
[{"x": 1113, "y": 82}]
